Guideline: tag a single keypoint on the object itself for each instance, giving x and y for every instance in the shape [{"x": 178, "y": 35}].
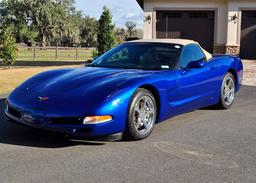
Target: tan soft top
[{"x": 174, "y": 41}]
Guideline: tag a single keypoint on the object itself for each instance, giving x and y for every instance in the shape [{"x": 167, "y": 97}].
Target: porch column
[{"x": 234, "y": 24}]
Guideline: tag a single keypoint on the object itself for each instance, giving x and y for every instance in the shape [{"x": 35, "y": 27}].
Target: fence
[{"x": 53, "y": 53}]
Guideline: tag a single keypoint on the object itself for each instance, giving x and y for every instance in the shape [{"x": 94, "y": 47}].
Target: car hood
[
  {"x": 73, "y": 88},
  {"x": 82, "y": 81}
]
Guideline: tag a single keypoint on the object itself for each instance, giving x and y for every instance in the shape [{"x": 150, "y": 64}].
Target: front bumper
[{"x": 79, "y": 130}]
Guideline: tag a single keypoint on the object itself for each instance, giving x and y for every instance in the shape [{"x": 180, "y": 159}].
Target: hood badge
[{"x": 42, "y": 99}]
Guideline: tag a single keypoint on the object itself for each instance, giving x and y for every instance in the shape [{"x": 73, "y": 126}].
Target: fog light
[{"x": 96, "y": 119}]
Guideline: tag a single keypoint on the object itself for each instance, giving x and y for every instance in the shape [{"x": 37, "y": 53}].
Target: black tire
[
  {"x": 223, "y": 104},
  {"x": 132, "y": 132}
]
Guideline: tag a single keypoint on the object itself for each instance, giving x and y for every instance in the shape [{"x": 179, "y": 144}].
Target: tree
[
  {"x": 89, "y": 29},
  {"x": 28, "y": 13},
  {"x": 131, "y": 28},
  {"x": 27, "y": 35},
  {"x": 3, "y": 14},
  {"x": 68, "y": 22},
  {"x": 105, "y": 35},
  {"x": 41, "y": 14},
  {"x": 10, "y": 14},
  {"x": 48, "y": 22},
  {"x": 7, "y": 47},
  {"x": 120, "y": 35}
]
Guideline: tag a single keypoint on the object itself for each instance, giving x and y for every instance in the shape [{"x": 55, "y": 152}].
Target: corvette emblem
[{"x": 42, "y": 99}]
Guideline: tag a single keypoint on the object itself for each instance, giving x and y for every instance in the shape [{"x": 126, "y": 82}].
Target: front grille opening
[
  {"x": 84, "y": 130},
  {"x": 65, "y": 121},
  {"x": 14, "y": 112}
]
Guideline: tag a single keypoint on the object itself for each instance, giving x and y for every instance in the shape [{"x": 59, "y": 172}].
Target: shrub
[
  {"x": 95, "y": 53},
  {"x": 7, "y": 48}
]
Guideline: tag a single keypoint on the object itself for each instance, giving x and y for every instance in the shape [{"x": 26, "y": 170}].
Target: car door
[{"x": 196, "y": 86}]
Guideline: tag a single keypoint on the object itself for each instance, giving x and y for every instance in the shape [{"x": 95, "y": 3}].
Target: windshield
[{"x": 141, "y": 56}]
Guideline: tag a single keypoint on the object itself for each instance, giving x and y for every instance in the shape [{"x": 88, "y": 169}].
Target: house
[{"x": 220, "y": 26}]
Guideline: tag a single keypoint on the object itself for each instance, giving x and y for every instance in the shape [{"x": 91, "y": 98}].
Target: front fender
[{"x": 117, "y": 105}]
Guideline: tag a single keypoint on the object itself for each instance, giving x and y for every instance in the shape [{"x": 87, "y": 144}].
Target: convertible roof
[{"x": 173, "y": 41}]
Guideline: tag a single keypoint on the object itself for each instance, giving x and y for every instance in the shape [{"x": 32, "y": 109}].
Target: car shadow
[
  {"x": 242, "y": 90},
  {"x": 213, "y": 107},
  {"x": 14, "y": 134}
]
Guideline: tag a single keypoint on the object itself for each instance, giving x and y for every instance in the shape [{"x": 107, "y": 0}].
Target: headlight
[{"x": 96, "y": 119}]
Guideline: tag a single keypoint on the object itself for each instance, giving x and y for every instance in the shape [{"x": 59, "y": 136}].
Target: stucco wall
[
  {"x": 234, "y": 29},
  {"x": 221, "y": 6},
  {"x": 227, "y": 32}
]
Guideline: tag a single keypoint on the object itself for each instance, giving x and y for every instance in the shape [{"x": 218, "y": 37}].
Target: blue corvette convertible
[{"x": 128, "y": 89}]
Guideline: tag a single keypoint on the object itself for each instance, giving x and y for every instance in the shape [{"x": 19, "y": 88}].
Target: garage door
[
  {"x": 195, "y": 25},
  {"x": 248, "y": 35}
]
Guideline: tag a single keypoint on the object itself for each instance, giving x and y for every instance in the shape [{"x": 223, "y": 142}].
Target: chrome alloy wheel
[
  {"x": 144, "y": 115},
  {"x": 229, "y": 90}
]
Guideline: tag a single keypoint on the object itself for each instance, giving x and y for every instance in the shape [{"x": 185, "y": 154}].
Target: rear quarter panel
[{"x": 228, "y": 63}]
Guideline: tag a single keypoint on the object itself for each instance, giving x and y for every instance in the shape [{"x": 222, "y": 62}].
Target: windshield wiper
[{"x": 90, "y": 65}]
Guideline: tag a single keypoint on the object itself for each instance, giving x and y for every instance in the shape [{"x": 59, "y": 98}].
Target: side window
[
  {"x": 198, "y": 53},
  {"x": 190, "y": 53},
  {"x": 186, "y": 56}
]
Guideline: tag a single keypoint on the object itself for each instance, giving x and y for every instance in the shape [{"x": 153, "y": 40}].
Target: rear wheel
[
  {"x": 141, "y": 116},
  {"x": 227, "y": 91}
]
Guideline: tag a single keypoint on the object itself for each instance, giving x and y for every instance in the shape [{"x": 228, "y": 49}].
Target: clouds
[
  {"x": 123, "y": 15},
  {"x": 122, "y": 10},
  {"x": 130, "y": 16}
]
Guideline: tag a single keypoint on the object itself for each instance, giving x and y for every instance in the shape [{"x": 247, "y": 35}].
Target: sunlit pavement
[
  {"x": 249, "y": 72},
  {"x": 206, "y": 145}
]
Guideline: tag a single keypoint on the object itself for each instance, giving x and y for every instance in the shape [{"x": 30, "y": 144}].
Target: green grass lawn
[
  {"x": 11, "y": 78},
  {"x": 26, "y": 54}
]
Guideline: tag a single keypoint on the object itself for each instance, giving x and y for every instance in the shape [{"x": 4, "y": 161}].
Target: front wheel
[
  {"x": 141, "y": 115},
  {"x": 227, "y": 91}
]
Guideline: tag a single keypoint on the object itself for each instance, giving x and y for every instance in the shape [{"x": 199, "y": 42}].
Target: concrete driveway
[
  {"x": 249, "y": 72},
  {"x": 206, "y": 145}
]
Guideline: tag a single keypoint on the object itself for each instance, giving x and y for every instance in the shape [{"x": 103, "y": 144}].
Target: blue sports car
[{"x": 128, "y": 89}]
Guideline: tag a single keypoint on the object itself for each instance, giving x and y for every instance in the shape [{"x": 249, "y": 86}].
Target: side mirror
[{"x": 196, "y": 64}]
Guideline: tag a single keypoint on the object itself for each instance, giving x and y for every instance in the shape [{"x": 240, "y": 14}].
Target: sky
[{"x": 122, "y": 10}]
